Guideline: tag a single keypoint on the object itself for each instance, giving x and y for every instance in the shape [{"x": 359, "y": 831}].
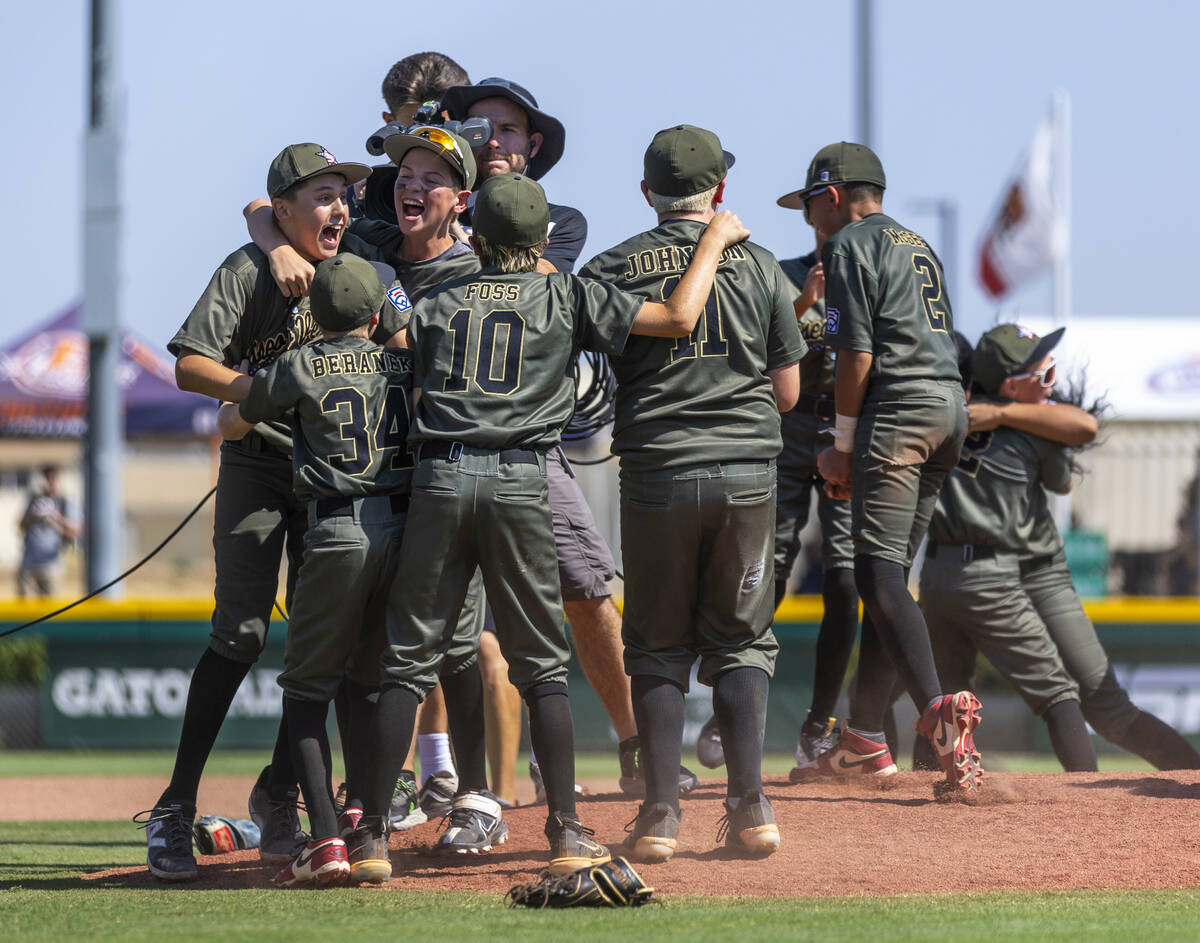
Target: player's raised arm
[
  {"x": 291, "y": 271},
  {"x": 1059, "y": 422},
  {"x": 677, "y": 316}
]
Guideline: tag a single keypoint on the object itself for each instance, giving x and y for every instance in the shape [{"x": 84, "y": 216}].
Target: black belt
[
  {"x": 452, "y": 451},
  {"x": 970, "y": 552},
  {"x": 820, "y": 406},
  {"x": 344, "y": 507},
  {"x": 258, "y": 444}
]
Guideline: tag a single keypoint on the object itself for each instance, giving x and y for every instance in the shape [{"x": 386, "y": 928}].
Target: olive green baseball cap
[
  {"x": 298, "y": 162},
  {"x": 511, "y": 210},
  {"x": 452, "y": 149},
  {"x": 1007, "y": 350},
  {"x": 684, "y": 160},
  {"x": 842, "y": 162},
  {"x": 347, "y": 292}
]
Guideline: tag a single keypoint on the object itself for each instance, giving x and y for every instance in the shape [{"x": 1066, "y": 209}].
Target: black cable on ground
[{"x": 96, "y": 592}]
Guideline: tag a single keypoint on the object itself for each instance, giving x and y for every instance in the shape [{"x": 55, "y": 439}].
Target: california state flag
[{"x": 1027, "y": 234}]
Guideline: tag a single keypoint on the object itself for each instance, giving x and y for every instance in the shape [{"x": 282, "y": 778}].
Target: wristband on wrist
[{"x": 843, "y": 432}]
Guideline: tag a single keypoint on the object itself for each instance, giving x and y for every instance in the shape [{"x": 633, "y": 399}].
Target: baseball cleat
[
  {"x": 571, "y": 845},
  {"x": 632, "y": 781},
  {"x": 368, "y": 852},
  {"x": 321, "y": 863},
  {"x": 169, "y": 840},
  {"x": 949, "y": 724},
  {"x": 653, "y": 833},
  {"x": 851, "y": 755},
  {"x": 348, "y": 821},
  {"x": 278, "y": 820},
  {"x": 539, "y": 786},
  {"x": 709, "y": 751},
  {"x": 474, "y": 824},
  {"x": 749, "y": 826},
  {"x": 437, "y": 795},
  {"x": 815, "y": 740},
  {"x": 405, "y": 811}
]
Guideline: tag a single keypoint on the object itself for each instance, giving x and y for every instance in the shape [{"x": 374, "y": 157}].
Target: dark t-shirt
[
  {"x": 885, "y": 295},
  {"x": 706, "y": 397},
  {"x": 816, "y": 369},
  {"x": 243, "y": 315},
  {"x": 996, "y": 495},
  {"x": 493, "y": 354},
  {"x": 418, "y": 278},
  {"x": 351, "y": 399}
]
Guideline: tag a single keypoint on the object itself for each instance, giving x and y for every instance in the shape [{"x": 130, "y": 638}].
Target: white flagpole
[{"x": 1061, "y": 112}]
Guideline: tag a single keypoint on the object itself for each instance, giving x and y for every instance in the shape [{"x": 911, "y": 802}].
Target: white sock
[{"x": 434, "y": 749}]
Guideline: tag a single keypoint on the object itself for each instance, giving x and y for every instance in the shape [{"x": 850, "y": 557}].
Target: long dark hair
[{"x": 1073, "y": 391}]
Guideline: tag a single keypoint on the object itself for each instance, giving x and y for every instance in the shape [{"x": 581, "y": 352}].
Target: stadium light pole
[
  {"x": 946, "y": 211},
  {"x": 865, "y": 101},
  {"x": 101, "y": 320}
]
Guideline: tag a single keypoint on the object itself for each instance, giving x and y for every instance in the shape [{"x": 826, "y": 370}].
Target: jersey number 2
[
  {"x": 976, "y": 444},
  {"x": 931, "y": 291},
  {"x": 496, "y": 372},
  {"x": 359, "y": 442}
]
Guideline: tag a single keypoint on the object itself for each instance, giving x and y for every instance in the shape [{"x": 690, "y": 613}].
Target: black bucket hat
[{"x": 458, "y": 99}]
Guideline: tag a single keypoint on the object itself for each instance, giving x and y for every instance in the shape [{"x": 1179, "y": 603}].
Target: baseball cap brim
[
  {"x": 1046, "y": 344},
  {"x": 352, "y": 173},
  {"x": 795, "y": 199},
  {"x": 398, "y": 145}
]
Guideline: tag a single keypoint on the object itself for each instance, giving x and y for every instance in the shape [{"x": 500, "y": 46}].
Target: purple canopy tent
[{"x": 43, "y": 387}]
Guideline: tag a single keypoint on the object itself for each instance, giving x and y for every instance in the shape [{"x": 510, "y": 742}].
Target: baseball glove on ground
[{"x": 614, "y": 884}]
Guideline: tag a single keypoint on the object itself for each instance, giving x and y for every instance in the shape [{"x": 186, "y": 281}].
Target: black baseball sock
[
  {"x": 899, "y": 626},
  {"x": 1069, "y": 736},
  {"x": 359, "y": 703},
  {"x": 214, "y": 683},
  {"x": 835, "y": 641},
  {"x": 658, "y": 709},
  {"x": 1158, "y": 744},
  {"x": 305, "y": 722},
  {"x": 872, "y": 692},
  {"x": 391, "y": 736},
  {"x": 463, "y": 692},
  {"x": 552, "y": 733},
  {"x": 740, "y": 703},
  {"x": 341, "y": 711},
  {"x": 283, "y": 776}
]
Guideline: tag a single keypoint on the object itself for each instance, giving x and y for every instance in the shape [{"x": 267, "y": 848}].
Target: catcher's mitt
[{"x": 613, "y": 884}]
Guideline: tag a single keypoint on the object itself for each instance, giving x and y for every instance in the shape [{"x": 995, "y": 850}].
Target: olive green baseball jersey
[
  {"x": 493, "y": 354},
  {"x": 418, "y": 278},
  {"x": 243, "y": 315},
  {"x": 351, "y": 400},
  {"x": 996, "y": 495},
  {"x": 705, "y": 397},
  {"x": 816, "y": 369},
  {"x": 885, "y": 295}
]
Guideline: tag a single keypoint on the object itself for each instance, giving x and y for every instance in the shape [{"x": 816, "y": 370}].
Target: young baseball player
[
  {"x": 697, "y": 432},
  {"x": 900, "y": 423},
  {"x": 243, "y": 316},
  {"x": 494, "y": 391},
  {"x": 352, "y": 468},
  {"x": 995, "y": 577}
]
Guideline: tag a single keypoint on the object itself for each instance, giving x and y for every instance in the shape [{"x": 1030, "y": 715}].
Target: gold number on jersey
[
  {"x": 931, "y": 292},
  {"x": 709, "y": 333},
  {"x": 973, "y": 448},
  {"x": 389, "y": 435},
  {"x": 498, "y": 355}
]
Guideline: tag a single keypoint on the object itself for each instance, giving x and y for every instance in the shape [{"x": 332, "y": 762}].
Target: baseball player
[
  {"x": 243, "y": 316},
  {"x": 900, "y": 423},
  {"x": 494, "y": 391},
  {"x": 995, "y": 577},
  {"x": 697, "y": 433},
  {"x": 526, "y": 139},
  {"x": 351, "y": 467}
]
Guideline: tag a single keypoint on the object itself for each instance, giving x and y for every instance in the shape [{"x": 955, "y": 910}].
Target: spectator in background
[{"x": 45, "y": 526}]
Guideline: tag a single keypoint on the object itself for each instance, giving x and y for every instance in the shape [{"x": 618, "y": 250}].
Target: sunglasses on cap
[
  {"x": 1045, "y": 376},
  {"x": 446, "y": 142}
]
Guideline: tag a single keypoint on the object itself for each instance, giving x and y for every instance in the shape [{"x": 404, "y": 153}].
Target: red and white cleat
[
  {"x": 320, "y": 864},
  {"x": 949, "y": 724}
]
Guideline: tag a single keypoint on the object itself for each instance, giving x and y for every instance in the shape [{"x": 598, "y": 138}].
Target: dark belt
[
  {"x": 969, "y": 552},
  {"x": 820, "y": 406},
  {"x": 344, "y": 507},
  {"x": 257, "y": 444},
  {"x": 452, "y": 451}
]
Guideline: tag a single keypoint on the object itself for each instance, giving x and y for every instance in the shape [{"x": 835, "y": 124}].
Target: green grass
[
  {"x": 249, "y": 762},
  {"x": 43, "y": 898}
]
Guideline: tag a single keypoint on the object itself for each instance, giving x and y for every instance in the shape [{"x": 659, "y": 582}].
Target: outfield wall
[{"x": 118, "y": 676}]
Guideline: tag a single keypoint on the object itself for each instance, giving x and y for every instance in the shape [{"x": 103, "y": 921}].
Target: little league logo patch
[
  {"x": 328, "y": 158},
  {"x": 399, "y": 299},
  {"x": 1024, "y": 332},
  {"x": 832, "y": 317}
]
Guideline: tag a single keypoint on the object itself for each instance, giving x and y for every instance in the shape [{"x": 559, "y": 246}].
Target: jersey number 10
[{"x": 499, "y": 375}]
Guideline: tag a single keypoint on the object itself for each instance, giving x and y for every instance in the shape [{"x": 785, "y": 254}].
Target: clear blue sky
[{"x": 214, "y": 90}]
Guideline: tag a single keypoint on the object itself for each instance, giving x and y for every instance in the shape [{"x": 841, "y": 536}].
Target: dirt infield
[{"x": 1029, "y": 832}]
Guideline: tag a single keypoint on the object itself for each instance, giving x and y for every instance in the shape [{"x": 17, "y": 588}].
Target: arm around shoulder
[{"x": 1059, "y": 422}]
